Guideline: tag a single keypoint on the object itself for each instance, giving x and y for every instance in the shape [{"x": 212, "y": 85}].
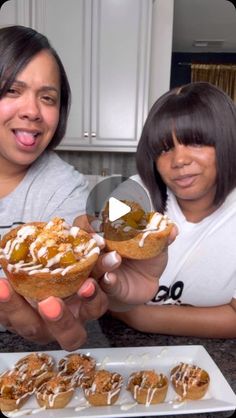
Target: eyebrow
[{"x": 43, "y": 88}]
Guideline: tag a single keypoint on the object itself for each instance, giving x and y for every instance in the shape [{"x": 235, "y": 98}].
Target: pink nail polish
[
  {"x": 4, "y": 291},
  {"x": 87, "y": 290},
  {"x": 51, "y": 308}
]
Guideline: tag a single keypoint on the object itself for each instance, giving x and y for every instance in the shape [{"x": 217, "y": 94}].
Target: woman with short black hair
[
  {"x": 199, "y": 114},
  {"x": 186, "y": 158}
]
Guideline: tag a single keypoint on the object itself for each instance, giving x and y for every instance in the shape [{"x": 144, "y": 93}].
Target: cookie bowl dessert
[
  {"x": 55, "y": 393},
  {"x": 148, "y": 387},
  {"x": 189, "y": 381},
  {"x": 102, "y": 387},
  {"x": 47, "y": 259},
  {"x": 76, "y": 366},
  {"x": 15, "y": 390},
  {"x": 138, "y": 234},
  {"x": 35, "y": 367}
]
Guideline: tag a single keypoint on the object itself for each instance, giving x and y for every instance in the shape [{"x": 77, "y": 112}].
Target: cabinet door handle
[
  {"x": 93, "y": 134},
  {"x": 86, "y": 134}
]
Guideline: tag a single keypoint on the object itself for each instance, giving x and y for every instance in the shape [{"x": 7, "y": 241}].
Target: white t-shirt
[{"x": 201, "y": 269}]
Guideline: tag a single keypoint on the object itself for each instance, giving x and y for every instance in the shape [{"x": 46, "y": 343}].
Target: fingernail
[
  {"x": 51, "y": 308},
  {"x": 106, "y": 278},
  {"x": 110, "y": 259},
  {"x": 87, "y": 290},
  {"x": 4, "y": 291}
]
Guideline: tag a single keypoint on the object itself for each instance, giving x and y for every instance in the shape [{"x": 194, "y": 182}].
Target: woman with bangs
[{"x": 186, "y": 159}]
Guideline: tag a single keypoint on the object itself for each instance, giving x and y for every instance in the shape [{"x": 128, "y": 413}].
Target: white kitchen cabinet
[
  {"x": 105, "y": 47},
  {"x": 15, "y": 12}
]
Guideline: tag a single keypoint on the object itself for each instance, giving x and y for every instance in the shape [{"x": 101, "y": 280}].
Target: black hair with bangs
[
  {"x": 198, "y": 113},
  {"x": 18, "y": 45}
]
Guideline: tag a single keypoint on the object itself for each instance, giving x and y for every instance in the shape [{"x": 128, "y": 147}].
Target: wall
[{"x": 161, "y": 48}]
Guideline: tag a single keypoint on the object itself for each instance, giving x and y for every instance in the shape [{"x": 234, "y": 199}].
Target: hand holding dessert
[
  {"x": 47, "y": 259},
  {"x": 138, "y": 235},
  {"x": 121, "y": 285}
]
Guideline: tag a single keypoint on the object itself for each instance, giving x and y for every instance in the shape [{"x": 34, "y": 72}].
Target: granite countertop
[{"x": 110, "y": 332}]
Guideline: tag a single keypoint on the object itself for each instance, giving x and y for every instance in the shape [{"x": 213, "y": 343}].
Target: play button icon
[
  {"x": 113, "y": 195},
  {"x": 117, "y": 209}
]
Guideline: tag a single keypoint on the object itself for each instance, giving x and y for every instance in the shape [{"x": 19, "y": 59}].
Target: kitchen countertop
[{"x": 109, "y": 332}]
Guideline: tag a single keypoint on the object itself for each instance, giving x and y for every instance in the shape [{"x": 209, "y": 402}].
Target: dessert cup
[
  {"x": 47, "y": 259},
  {"x": 148, "y": 387},
  {"x": 76, "y": 366},
  {"x": 137, "y": 235},
  {"x": 36, "y": 367},
  {"x": 55, "y": 392},
  {"x": 102, "y": 388},
  {"x": 14, "y": 390},
  {"x": 189, "y": 381}
]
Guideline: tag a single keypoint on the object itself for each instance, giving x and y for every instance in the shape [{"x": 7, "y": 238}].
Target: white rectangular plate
[{"x": 220, "y": 396}]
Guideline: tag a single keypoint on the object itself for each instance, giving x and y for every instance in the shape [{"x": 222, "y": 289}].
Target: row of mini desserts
[{"x": 54, "y": 384}]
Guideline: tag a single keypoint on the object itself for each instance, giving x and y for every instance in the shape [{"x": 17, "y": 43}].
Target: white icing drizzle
[
  {"x": 99, "y": 240},
  {"x": 162, "y": 352},
  {"x": 127, "y": 406},
  {"x": 187, "y": 375},
  {"x": 130, "y": 358},
  {"x": 127, "y": 228},
  {"x": 104, "y": 362},
  {"x": 74, "y": 231},
  {"x": 157, "y": 222},
  {"x": 51, "y": 397},
  {"x": 115, "y": 388},
  {"x": 95, "y": 250},
  {"x": 109, "y": 394},
  {"x": 80, "y": 408},
  {"x": 144, "y": 358},
  {"x": 150, "y": 393},
  {"x": 90, "y": 245},
  {"x": 37, "y": 251},
  {"x": 21, "y": 236},
  {"x": 23, "y": 365},
  {"x": 37, "y": 410},
  {"x": 18, "y": 413},
  {"x": 80, "y": 248},
  {"x": 146, "y": 386},
  {"x": 177, "y": 403}
]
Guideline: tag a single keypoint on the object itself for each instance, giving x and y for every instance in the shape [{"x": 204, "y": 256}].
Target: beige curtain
[{"x": 221, "y": 75}]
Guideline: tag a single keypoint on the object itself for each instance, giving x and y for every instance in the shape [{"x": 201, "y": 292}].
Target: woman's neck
[
  {"x": 195, "y": 211},
  {"x": 10, "y": 178}
]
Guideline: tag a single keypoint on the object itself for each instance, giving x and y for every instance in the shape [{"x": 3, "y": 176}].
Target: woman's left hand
[
  {"x": 120, "y": 286},
  {"x": 128, "y": 282}
]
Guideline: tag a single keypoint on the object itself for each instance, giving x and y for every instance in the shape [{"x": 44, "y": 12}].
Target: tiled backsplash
[{"x": 101, "y": 163}]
